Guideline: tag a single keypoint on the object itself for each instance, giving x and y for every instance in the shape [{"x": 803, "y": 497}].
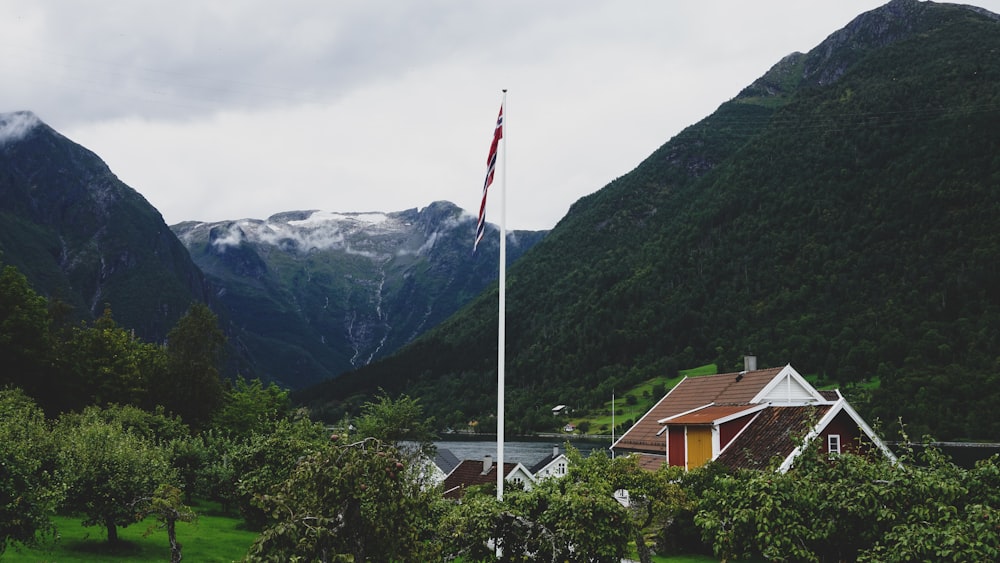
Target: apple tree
[
  {"x": 351, "y": 501},
  {"x": 29, "y": 485},
  {"x": 110, "y": 470}
]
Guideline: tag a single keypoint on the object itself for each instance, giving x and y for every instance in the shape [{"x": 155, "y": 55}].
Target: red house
[{"x": 746, "y": 420}]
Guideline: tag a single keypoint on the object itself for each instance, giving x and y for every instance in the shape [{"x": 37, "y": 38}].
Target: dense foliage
[
  {"x": 576, "y": 517},
  {"x": 857, "y": 508},
  {"x": 67, "y": 367},
  {"x": 352, "y": 497},
  {"x": 349, "y": 499},
  {"x": 30, "y": 486},
  {"x": 847, "y": 226}
]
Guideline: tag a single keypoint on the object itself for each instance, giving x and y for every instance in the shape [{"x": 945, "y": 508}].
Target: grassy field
[
  {"x": 213, "y": 537},
  {"x": 600, "y": 420}
]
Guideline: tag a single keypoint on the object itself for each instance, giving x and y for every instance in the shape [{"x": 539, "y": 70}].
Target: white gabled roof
[
  {"x": 840, "y": 406},
  {"x": 788, "y": 386}
]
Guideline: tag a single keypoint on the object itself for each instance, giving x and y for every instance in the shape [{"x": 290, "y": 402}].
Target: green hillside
[{"x": 841, "y": 214}]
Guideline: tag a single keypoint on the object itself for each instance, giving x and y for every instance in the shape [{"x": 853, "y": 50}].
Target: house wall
[
  {"x": 729, "y": 430},
  {"x": 677, "y": 446},
  {"x": 849, "y": 432}
]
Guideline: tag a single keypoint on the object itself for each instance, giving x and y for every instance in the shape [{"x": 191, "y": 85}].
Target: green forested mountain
[
  {"x": 841, "y": 213},
  {"x": 86, "y": 239}
]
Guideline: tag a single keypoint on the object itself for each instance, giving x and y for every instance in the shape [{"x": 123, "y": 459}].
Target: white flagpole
[
  {"x": 501, "y": 332},
  {"x": 612, "y": 423}
]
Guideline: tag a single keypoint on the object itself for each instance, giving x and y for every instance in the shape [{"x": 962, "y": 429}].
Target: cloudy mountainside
[
  {"x": 841, "y": 213},
  {"x": 313, "y": 294},
  {"x": 82, "y": 236}
]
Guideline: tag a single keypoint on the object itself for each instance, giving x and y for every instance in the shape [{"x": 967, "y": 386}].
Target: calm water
[{"x": 528, "y": 453}]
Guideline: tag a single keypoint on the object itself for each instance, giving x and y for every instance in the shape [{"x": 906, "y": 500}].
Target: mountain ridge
[
  {"x": 68, "y": 223},
  {"x": 339, "y": 289}
]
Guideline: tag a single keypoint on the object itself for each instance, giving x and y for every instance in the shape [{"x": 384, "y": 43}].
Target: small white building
[{"x": 554, "y": 465}]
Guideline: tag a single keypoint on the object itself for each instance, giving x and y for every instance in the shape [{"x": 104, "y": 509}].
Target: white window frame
[{"x": 833, "y": 444}]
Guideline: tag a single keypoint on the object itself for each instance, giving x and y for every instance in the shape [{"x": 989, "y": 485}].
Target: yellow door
[{"x": 699, "y": 445}]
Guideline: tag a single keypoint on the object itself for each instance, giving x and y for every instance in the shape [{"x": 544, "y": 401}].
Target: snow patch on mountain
[
  {"x": 375, "y": 235},
  {"x": 323, "y": 217}
]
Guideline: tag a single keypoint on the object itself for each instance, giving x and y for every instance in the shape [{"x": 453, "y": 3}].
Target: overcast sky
[{"x": 231, "y": 109}]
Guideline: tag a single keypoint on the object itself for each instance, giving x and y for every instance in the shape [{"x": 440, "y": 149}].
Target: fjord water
[{"x": 528, "y": 453}]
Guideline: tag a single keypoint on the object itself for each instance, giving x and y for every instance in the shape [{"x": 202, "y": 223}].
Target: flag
[{"x": 491, "y": 166}]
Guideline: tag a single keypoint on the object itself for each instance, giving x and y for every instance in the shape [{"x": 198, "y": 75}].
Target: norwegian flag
[{"x": 491, "y": 166}]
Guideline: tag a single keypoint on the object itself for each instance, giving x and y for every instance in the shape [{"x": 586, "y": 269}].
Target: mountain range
[
  {"x": 313, "y": 294},
  {"x": 301, "y": 296},
  {"x": 841, "y": 213}
]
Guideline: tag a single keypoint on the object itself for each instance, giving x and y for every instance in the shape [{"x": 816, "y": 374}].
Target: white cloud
[
  {"x": 233, "y": 237},
  {"x": 16, "y": 125}
]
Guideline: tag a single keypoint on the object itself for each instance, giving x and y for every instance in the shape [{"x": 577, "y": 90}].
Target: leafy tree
[
  {"x": 250, "y": 406},
  {"x": 575, "y": 517},
  {"x": 395, "y": 422},
  {"x": 951, "y": 516},
  {"x": 556, "y": 520},
  {"x": 354, "y": 501},
  {"x": 168, "y": 509},
  {"x": 25, "y": 345},
  {"x": 104, "y": 364},
  {"x": 855, "y": 507},
  {"x": 266, "y": 460},
  {"x": 192, "y": 388},
  {"x": 154, "y": 427},
  {"x": 110, "y": 470},
  {"x": 30, "y": 487},
  {"x": 210, "y": 454}
]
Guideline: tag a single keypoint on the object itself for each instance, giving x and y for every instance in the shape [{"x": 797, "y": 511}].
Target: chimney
[
  {"x": 487, "y": 463},
  {"x": 749, "y": 363},
  {"x": 555, "y": 451}
]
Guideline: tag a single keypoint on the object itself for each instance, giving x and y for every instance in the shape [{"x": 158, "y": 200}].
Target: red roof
[
  {"x": 708, "y": 415},
  {"x": 736, "y": 388},
  {"x": 469, "y": 473},
  {"x": 651, "y": 462},
  {"x": 773, "y": 434}
]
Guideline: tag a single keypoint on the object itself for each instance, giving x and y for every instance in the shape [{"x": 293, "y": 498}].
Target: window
[{"x": 833, "y": 444}]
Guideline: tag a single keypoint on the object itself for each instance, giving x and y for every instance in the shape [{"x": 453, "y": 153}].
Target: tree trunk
[
  {"x": 175, "y": 547},
  {"x": 640, "y": 546},
  {"x": 112, "y": 530}
]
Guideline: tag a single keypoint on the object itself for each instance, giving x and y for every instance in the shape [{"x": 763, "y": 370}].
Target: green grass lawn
[
  {"x": 213, "y": 537},
  {"x": 600, "y": 420}
]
